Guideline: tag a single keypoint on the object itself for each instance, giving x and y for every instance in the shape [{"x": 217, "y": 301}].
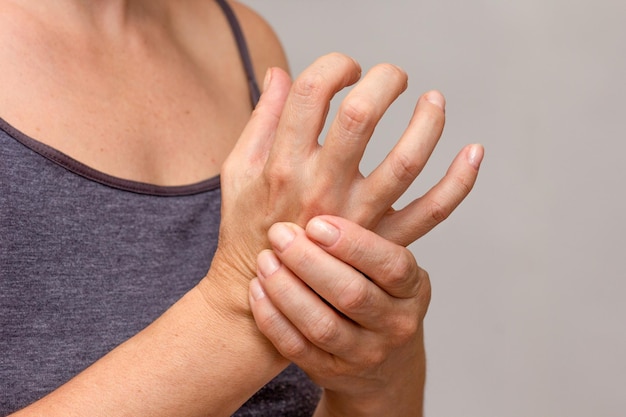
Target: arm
[
  {"x": 325, "y": 179},
  {"x": 200, "y": 356},
  {"x": 190, "y": 360},
  {"x": 360, "y": 339},
  {"x": 347, "y": 306},
  {"x": 206, "y": 352}
]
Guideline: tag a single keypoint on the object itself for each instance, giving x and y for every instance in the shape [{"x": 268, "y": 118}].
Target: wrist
[
  {"x": 224, "y": 294},
  {"x": 403, "y": 403},
  {"x": 225, "y": 287},
  {"x": 401, "y": 396}
]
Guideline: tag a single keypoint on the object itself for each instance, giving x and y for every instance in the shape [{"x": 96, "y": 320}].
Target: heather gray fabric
[
  {"x": 88, "y": 260},
  {"x": 84, "y": 266}
]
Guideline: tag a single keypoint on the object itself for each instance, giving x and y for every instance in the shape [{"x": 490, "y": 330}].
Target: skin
[
  {"x": 367, "y": 349},
  {"x": 118, "y": 84},
  {"x": 89, "y": 77}
]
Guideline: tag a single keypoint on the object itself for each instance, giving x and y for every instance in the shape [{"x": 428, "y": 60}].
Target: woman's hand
[
  {"x": 279, "y": 172},
  {"x": 346, "y": 306}
]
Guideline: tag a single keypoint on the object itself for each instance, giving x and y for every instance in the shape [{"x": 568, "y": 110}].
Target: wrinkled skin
[
  {"x": 279, "y": 172},
  {"x": 336, "y": 291}
]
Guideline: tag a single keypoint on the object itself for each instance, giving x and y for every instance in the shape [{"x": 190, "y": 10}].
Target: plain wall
[{"x": 529, "y": 278}]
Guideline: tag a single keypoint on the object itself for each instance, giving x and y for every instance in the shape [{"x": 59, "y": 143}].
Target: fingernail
[
  {"x": 323, "y": 232},
  {"x": 281, "y": 236},
  {"x": 267, "y": 79},
  {"x": 475, "y": 155},
  {"x": 436, "y": 98},
  {"x": 267, "y": 263},
  {"x": 256, "y": 290}
]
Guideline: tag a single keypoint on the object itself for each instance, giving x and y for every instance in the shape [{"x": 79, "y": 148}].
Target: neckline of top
[{"x": 85, "y": 171}]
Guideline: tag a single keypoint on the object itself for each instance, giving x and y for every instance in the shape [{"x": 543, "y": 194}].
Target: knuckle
[
  {"x": 266, "y": 322},
  {"x": 325, "y": 331},
  {"x": 354, "y": 297},
  {"x": 439, "y": 212},
  {"x": 400, "y": 270},
  {"x": 368, "y": 214},
  {"x": 372, "y": 358},
  {"x": 463, "y": 185},
  {"x": 307, "y": 259},
  {"x": 278, "y": 175},
  {"x": 292, "y": 346},
  {"x": 289, "y": 343},
  {"x": 355, "y": 113},
  {"x": 404, "y": 168},
  {"x": 405, "y": 329},
  {"x": 309, "y": 87},
  {"x": 406, "y": 323},
  {"x": 313, "y": 201},
  {"x": 355, "y": 249},
  {"x": 335, "y": 368}
]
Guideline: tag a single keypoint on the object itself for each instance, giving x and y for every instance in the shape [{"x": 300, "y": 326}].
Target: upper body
[
  {"x": 130, "y": 89},
  {"x": 156, "y": 106},
  {"x": 151, "y": 91}
]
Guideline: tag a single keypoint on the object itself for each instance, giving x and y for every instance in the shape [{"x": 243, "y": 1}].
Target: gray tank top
[{"x": 87, "y": 260}]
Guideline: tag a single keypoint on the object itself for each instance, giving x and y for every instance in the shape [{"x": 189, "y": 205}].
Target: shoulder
[
  {"x": 202, "y": 22},
  {"x": 265, "y": 47}
]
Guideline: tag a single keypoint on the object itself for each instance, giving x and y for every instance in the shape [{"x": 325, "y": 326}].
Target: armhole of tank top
[{"x": 244, "y": 53}]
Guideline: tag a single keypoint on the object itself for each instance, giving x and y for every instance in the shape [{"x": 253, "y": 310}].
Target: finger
[
  {"x": 320, "y": 324},
  {"x": 392, "y": 267},
  {"x": 322, "y": 366},
  {"x": 334, "y": 280},
  {"x": 422, "y": 215},
  {"x": 252, "y": 148},
  {"x": 287, "y": 339},
  {"x": 409, "y": 156},
  {"x": 308, "y": 103},
  {"x": 357, "y": 117}
]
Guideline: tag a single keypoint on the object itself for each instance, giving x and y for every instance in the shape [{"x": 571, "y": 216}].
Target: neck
[
  {"x": 110, "y": 17},
  {"x": 118, "y": 14}
]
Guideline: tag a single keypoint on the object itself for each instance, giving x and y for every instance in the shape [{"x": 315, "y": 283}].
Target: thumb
[{"x": 257, "y": 138}]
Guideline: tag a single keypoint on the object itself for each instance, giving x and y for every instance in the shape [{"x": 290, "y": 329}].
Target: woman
[{"x": 117, "y": 118}]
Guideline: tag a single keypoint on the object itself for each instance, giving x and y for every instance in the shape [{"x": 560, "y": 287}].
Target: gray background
[{"x": 528, "y": 314}]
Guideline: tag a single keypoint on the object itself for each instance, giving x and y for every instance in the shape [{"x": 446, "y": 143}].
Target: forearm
[{"x": 197, "y": 359}]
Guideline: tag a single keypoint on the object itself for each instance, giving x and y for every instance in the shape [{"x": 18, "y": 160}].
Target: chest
[
  {"x": 84, "y": 266},
  {"x": 143, "y": 112}
]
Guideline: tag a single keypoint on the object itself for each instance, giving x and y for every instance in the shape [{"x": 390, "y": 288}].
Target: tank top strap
[{"x": 255, "y": 92}]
